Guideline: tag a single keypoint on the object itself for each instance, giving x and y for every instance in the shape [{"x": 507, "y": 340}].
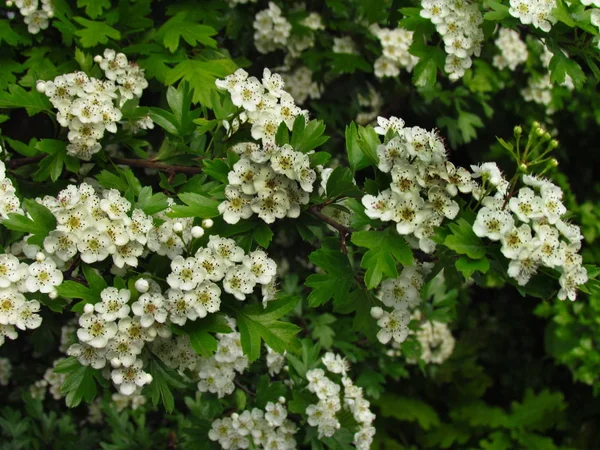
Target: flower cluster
[
  {"x": 535, "y": 12},
  {"x": 9, "y": 202},
  {"x": 268, "y": 429},
  {"x": 274, "y": 32},
  {"x": 423, "y": 182},
  {"x": 513, "y": 51},
  {"x": 108, "y": 332},
  {"x": 268, "y": 180},
  {"x": 89, "y": 106},
  {"x": 323, "y": 414},
  {"x": 344, "y": 44},
  {"x": 395, "y": 56},
  {"x": 401, "y": 295},
  {"x": 217, "y": 373},
  {"x": 51, "y": 381},
  {"x": 459, "y": 24},
  {"x": 35, "y": 15},
  {"x": 530, "y": 230},
  {"x": 300, "y": 84}
]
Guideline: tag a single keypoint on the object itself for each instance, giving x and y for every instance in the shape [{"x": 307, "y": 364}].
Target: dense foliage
[{"x": 333, "y": 224}]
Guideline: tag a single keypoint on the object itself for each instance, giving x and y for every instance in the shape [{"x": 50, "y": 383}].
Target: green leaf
[
  {"x": 79, "y": 384},
  {"x": 561, "y": 66},
  {"x": 338, "y": 278},
  {"x": 468, "y": 266},
  {"x": 262, "y": 234},
  {"x": 386, "y": 249},
  {"x": 93, "y": 8},
  {"x": 95, "y": 33},
  {"x": 357, "y": 159},
  {"x": 7, "y": 34},
  {"x": 70, "y": 289},
  {"x": 282, "y": 136},
  {"x": 430, "y": 60},
  {"x": 163, "y": 379},
  {"x": 201, "y": 75},
  {"x": 499, "y": 12},
  {"x": 463, "y": 240},
  {"x": 183, "y": 26},
  {"x": 257, "y": 323},
  {"x": 307, "y": 136},
  {"x": 537, "y": 411},
  {"x": 151, "y": 204},
  {"x": 341, "y": 183},
  {"x": 217, "y": 169},
  {"x": 408, "y": 409},
  {"x": 322, "y": 331},
  {"x": 197, "y": 205},
  {"x": 41, "y": 223},
  {"x": 199, "y": 332},
  {"x": 32, "y": 101}
]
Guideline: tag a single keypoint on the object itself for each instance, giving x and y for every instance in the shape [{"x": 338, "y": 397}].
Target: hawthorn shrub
[{"x": 333, "y": 224}]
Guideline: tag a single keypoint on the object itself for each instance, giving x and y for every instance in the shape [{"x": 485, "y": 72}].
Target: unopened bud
[
  {"x": 88, "y": 308},
  {"x": 9, "y": 3},
  {"x": 41, "y": 87},
  {"x": 197, "y": 232},
  {"x": 39, "y": 257},
  {"x": 98, "y": 59},
  {"x": 207, "y": 223},
  {"x": 52, "y": 294},
  {"x": 554, "y": 162},
  {"x": 376, "y": 312},
  {"x": 523, "y": 167},
  {"x": 539, "y": 131},
  {"x": 50, "y": 14},
  {"x": 281, "y": 400},
  {"x": 177, "y": 227},
  {"x": 517, "y": 130},
  {"x": 553, "y": 143},
  {"x": 547, "y": 136},
  {"x": 535, "y": 124},
  {"x": 142, "y": 286}
]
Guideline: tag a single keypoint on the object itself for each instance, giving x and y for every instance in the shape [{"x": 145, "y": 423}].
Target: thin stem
[
  {"x": 342, "y": 229},
  {"x": 149, "y": 164}
]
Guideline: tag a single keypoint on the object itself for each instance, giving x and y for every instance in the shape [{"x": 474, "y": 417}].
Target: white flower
[
  {"x": 94, "y": 330},
  {"x": 10, "y": 302},
  {"x": 62, "y": 244},
  {"x": 516, "y": 241},
  {"x": 548, "y": 246},
  {"x": 236, "y": 207},
  {"x": 88, "y": 355},
  {"x": 149, "y": 308},
  {"x": 492, "y": 224},
  {"x": 488, "y": 172},
  {"x": 213, "y": 265},
  {"x": 226, "y": 249},
  {"x": 275, "y": 414},
  {"x": 394, "y": 326},
  {"x": 43, "y": 277},
  {"x": 380, "y": 207},
  {"x": 181, "y": 306},
  {"x": 133, "y": 329},
  {"x": 262, "y": 268},
  {"x": 408, "y": 212},
  {"x": 9, "y": 270},
  {"x": 122, "y": 350},
  {"x": 569, "y": 282},
  {"x": 185, "y": 274},
  {"x": 128, "y": 379},
  {"x": 526, "y": 205},
  {"x": 239, "y": 282},
  {"x": 399, "y": 293},
  {"x": 335, "y": 363},
  {"x": 441, "y": 203},
  {"x": 114, "y": 304},
  {"x": 94, "y": 246},
  {"x": 393, "y": 123},
  {"x": 27, "y": 317},
  {"x": 7, "y": 331},
  {"x": 522, "y": 270}
]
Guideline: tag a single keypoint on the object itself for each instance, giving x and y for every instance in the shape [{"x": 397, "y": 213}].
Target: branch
[
  {"x": 344, "y": 231},
  {"x": 15, "y": 163}
]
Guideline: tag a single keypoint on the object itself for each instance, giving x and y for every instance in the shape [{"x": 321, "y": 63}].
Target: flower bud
[
  {"x": 553, "y": 143},
  {"x": 517, "y": 130},
  {"x": 142, "y": 286},
  {"x": 9, "y": 3},
  {"x": 207, "y": 223},
  {"x": 177, "y": 227},
  {"x": 52, "y": 294},
  {"x": 98, "y": 59},
  {"x": 523, "y": 167},
  {"x": 39, "y": 257},
  {"x": 41, "y": 86},
  {"x": 281, "y": 400},
  {"x": 376, "y": 312},
  {"x": 554, "y": 162},
  {"x": 50, "y": 14},
  {"x": 197, "y": 232},
  {"x": 88, "y": 308}
]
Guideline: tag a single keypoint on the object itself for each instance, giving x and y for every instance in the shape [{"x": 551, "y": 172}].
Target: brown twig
[
  {"x": 245, "y": 389},
  {"x": 344, "y": 231},
  {"x": 15, "y": 163}
]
